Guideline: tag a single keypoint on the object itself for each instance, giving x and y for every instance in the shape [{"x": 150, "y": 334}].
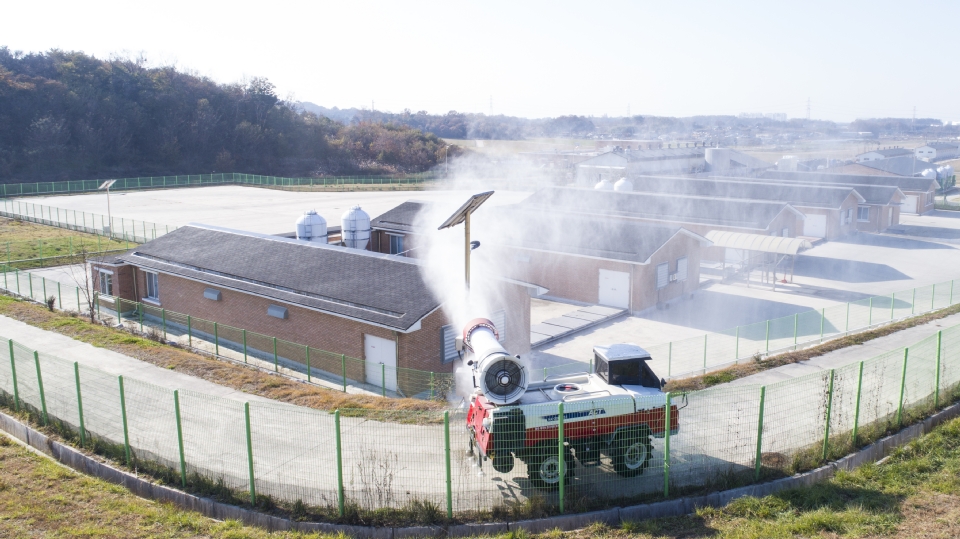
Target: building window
[
  {"x": 786, "y": 232},
  {"x": 682, "y": 269},
  {"x": 153, "y": 286},
  {"x": 396, "y": 245},
  {"x": 106, "y": 283},
  {"x": 663, "y": 276},
  {"x": 863, "y": 214}
]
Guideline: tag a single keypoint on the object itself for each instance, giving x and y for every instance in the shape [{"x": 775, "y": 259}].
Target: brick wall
[{"x": 644, "y": 288}]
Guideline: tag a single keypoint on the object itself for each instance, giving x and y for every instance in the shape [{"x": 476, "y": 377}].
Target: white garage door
[
  {"x": 815, "y": 226},
  {"x": 615, "y": 289},
  {"x": 376, "y": 351},
  {"x": 909, "y": 205}
]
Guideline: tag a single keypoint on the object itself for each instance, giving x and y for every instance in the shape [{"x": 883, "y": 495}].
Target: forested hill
[{"x": 67, "y": 115}]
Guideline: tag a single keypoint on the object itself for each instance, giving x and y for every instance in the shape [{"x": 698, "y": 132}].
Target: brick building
[
  {"x": 346, "y": 301},
  {"x": 919, "y": 193}
]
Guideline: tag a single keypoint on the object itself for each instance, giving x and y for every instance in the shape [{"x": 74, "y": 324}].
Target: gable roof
[
  {"x": 576, "y": 234},
  {"x": 804, "y": 195},
  {"x": 751, "y": 214},
  {"x": 336, "y": 280},
  {"x": 940, "y": 145},
  {"x": 889, "y": 152},
  {"x": 399, "y": 218},
  {"x": 905, "y": 183}
]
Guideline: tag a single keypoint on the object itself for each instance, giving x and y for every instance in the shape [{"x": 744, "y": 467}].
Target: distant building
[
  {"x": 623, "y": 162},
  {"x": 918, "y": 192},
  {"x": 904, "y": 165},
  {"x": 938, "y": 150},
  {"x": 882, "y": 153}
]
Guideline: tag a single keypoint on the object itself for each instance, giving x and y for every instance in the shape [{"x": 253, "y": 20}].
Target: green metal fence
[
  {"x": 200, "y": 180},
  {"x": 117, "y": 228},
  {"x": 345, "y": 461},
  {"x": 712, "y": 351},
  {"x": 58, "y": 251}
]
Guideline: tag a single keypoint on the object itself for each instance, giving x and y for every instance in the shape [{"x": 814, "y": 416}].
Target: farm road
[{"x": 390, "y": 463}]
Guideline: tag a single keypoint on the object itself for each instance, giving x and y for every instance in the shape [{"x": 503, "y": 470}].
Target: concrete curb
[{"x": 613, "y": 517}]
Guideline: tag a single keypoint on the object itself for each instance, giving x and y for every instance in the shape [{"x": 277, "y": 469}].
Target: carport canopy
[{"x": 756, "y": 242}]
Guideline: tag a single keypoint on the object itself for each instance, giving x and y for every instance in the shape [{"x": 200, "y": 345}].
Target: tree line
[{"x": 69, "y": 116}]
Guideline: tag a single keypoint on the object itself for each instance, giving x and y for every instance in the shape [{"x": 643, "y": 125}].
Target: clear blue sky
[{"x": 851, "y": 58}]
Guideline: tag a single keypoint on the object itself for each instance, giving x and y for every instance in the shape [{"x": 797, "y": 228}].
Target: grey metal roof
[
  {"x": 370, "y": 287},
  {"x": 901, "y": 166},
  {"x": 796, "y": 194},
  {"x": 562, "y": 232},
  {"x": 400, "y": 218},
  {"x": 758, "y": 242},
  {"x": 940, "y": 145},
  {"x": 891, "y": 152},
  {"x": 662, "y": 154},
  {"x": 753, "y": 214},
  {"x": 905, "y": 183},
  {"x": 881, "y": 195}
]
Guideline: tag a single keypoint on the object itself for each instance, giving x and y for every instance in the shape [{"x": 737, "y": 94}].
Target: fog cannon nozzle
[{"x": 501, "y": 376}]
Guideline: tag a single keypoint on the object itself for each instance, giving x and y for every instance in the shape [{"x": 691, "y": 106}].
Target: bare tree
[{"x": 82, "y": 275}]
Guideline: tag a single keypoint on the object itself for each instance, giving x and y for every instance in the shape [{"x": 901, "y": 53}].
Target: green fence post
[
  {"x": 78, "y": 297},
  {"x": 30, "y": 282},
  {"x": 123, "y": 416},
  {"x": 336, "y": 427},
  {"x": 705, "y": 353},
  {"x": 561, "y": 461},
  {"x": 83, "y": 430},
  {"x": 759, "y": 461},
  {"x": 856, "y": 414},
  {"x": 244, "y": 332},
  {"x": 140, "y": 315},
  {"x": 903, "y": 387},
  {"x": 189, "y": 331},
  {"x": 383, "y": 380},
  {"x": 253, "y": 484},
  {"x": 306, "y": 348},
  {"x": 59, "y": 297},
  {"x": 669, "y": 361},
  {"x": 936, "y": 391},
  {"x": 767, "y": 338},
  {"x": 736, "y": 345},
  {"x": 183, "y": 462},
  {"x": 870, "y": 315},
  {"x": 666, "y": 447},
  {"x": 796, "y": 325},
  {"x": 276, "y": 358},
  {"x": 163, "y": 314},
  {"x": 846, "y": 328},
  {"x": 343, "y": 370},
  {"x": 13, "y": 372},
  {"x": 43, "y": 399},
  {"x": 16, "y": 275},
  {"x": 826, "y": 429},
  {"x": 431, "y": 385},
  {"x": 823, "y": 316},
  {"x": 446, "y": 443},
  {"x": 216, "y": 339}
]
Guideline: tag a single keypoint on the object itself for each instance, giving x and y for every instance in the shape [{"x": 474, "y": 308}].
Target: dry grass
[
  {"x": 20, "y": 240},
  {"x": 742, "y": 370},
  {"x": 40, "y": 498},
  {"x": 246, "y": 379}
]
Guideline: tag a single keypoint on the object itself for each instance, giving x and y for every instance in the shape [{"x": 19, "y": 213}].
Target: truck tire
[
  {"x": 631, "y": 453},
  {"x": 543, "y": 466}
]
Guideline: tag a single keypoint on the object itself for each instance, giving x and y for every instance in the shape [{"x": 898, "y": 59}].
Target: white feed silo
[
  {"x": 312, "y": 227},
  {"x": 623, "y": 185},
  {"x": 604, "y": 185},
  {"x": 929, "y": 173},
  {"x": 355, "y": 228}
]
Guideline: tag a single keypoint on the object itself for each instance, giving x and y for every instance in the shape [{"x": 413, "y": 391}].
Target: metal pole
[
  {"x": 83, "y": 430},
  {"x": 847, "y": 328},
  {"x": 183, "y": 462},
  {"x": 936, "y": 391},
  {"x": 309, "y": 376},
  {"x": 796, "y": 325},
  {"x": 561, "y": 462},
  {"x": 13, "y": 372},
  {"x": 913, "y": 302},
  {"x": 431, "y": 386},
  {"x": 189, "y": 331},
  {"x": 276, "y": 358},
  {"x": 123, "y": 416},
  {"x": 253, "y": 483},
  {"x": 140, "y": 313},
  {"x": 216, "y": 339},
  {"x": 343, "y": 370},
  {"x": 823, "y": 316},
  {"x": 856, "y": 416},
  {"x": 244, "y": 332},
  {"x": 466, "y": 259},
  {"x": 446, "y": 443},
  {"x": 768, "y": 335},
  {"x": 759, "y": 461},
  {"x": 705, "y": 353},
  {"x": 903, "y": 387},
  {"x": 163, "y": 314},
  {"x": 736, "y": 345},
  {"x": 666, "y": 447},
  {"x": 893, "y": 300},
  {"x": 826, "y": 429},
  {"x": 336, "y": 425},
  {"x": 43, "y": 399},
  {"x": 870, "y": 315},
  {"x": 59, "y": 297},
  {"x": 383, "y": 380}
]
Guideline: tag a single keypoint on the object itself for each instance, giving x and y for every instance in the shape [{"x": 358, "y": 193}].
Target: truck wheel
[
  {"x": 632, "y": 454},
  {"x": 543, "y": 467}
]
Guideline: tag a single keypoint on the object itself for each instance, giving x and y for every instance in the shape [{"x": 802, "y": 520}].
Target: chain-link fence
[
  {"x": 115, "y": 229},
  {"x": 576, "y": 455},
  {"x": 59, "y": 251},
  {"x": 698, "y": 355},
  {"x": 203, "y": 180}
]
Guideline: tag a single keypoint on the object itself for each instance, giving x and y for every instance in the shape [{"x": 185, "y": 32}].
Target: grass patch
[
  {"x": 28, "y": 241},
  {"x": 239, "y": 377},
  {"x": 743, "y": 370}
]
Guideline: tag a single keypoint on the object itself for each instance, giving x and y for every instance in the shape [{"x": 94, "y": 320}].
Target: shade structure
[{"x": 756, "y": 242}]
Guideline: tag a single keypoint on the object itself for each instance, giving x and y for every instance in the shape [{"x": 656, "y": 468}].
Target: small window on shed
[
  {"x": 448, "y": 344},
  {"x": 682, "y": 269},
  {"x": 663, "y": 275},
  {"x": 106, "y": 283},
  {"x": 153, "y": 286},
  {"x": 396, "y": 245}
]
